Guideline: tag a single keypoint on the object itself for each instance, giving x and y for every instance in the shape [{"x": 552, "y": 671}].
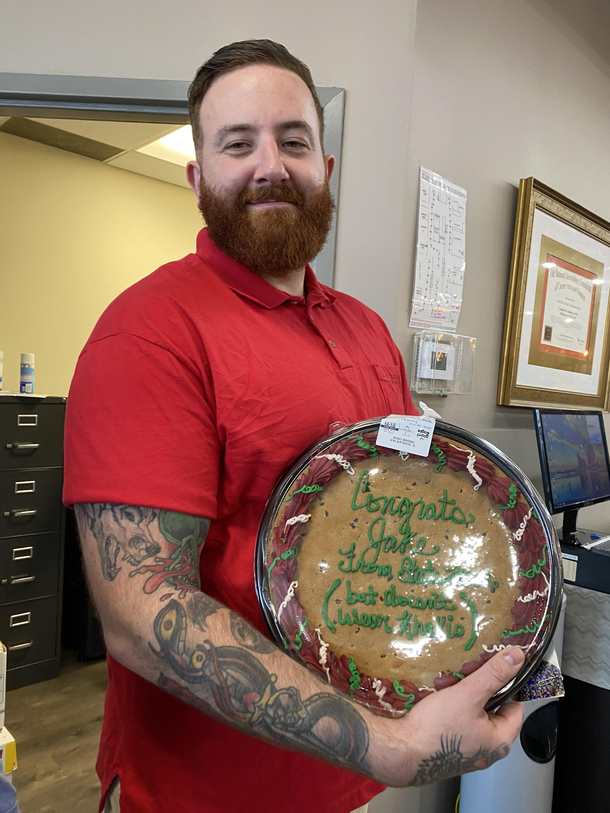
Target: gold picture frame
[{"x": 556, "y": 345}]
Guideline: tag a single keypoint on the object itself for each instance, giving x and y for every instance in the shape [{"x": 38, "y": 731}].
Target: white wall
[
  {"x": 502, "y": 91},
  {"x": 355, "y": 44}
]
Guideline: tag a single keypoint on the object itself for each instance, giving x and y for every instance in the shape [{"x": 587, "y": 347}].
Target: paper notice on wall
[{"x": 441, "y": 254}]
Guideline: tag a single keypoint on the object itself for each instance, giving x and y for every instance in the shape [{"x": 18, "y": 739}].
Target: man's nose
[{"x": 270, "y": 164}]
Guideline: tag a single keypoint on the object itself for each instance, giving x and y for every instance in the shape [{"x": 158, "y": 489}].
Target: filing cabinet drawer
[
  {"x": 31, "y": 435},
  {"x": 30, "y": 501},
  {"x": 29, "y": 567},
  {"x": 28, "y": 629}
]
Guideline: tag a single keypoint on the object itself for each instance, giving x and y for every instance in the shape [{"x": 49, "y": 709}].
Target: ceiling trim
[{"x": 93, "y": 97}]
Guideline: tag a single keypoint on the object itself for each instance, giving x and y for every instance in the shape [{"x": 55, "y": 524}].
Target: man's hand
[{"x": 450, "y": 733}]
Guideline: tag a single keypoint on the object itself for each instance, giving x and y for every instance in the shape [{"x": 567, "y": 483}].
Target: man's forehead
[{"x": 257, "y": 94}]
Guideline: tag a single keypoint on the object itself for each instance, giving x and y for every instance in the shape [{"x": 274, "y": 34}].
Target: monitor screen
[{"x": 573, "y": 458}]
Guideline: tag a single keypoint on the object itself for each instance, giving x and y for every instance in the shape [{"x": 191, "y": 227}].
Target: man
[{"x": 197, "y": 388}]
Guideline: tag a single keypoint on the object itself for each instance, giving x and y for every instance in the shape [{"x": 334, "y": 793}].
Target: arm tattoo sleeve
[
  {"x": 163, "y": 546},
  {"x": 233, "y": 684}
]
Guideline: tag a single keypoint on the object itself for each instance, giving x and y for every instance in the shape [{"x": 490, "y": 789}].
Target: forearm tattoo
[
  {"x": 233, "y": 684},
  {"x": 164, "y": 546}
]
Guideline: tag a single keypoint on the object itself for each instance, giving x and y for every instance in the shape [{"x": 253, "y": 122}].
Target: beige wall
[
  {"x": 502, "y": 91},
  {"x": 355, "y": 44},
  {"x": 75, "y": 233}
]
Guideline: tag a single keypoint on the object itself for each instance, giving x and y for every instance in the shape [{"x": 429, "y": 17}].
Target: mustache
[{"x": 278, "y": 194}]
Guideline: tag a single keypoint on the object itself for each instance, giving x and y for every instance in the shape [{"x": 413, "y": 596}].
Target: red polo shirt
[{"x": 198, "y": 387}]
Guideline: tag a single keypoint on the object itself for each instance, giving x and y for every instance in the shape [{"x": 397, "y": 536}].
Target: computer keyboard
[{"x": 601, "y": 544}]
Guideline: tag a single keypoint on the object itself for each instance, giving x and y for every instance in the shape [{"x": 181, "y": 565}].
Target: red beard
[{"x": 275, "y": 242}]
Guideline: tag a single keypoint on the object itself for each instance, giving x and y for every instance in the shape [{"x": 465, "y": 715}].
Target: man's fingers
[
  {"x": 508, "y": 720},
  {"x": 494, "y": 674}
]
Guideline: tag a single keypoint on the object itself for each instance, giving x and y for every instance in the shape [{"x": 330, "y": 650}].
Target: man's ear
[
  {"x": 193, "y": 176},
  {"x": 329, "y": 163}
]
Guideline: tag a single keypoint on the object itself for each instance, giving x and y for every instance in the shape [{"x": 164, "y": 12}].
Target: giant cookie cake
[{"x": 392, "y": 576}]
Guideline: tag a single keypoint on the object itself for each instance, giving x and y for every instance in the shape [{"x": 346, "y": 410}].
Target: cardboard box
[
  {"x": 2, "y": 682},
  {"x": 8, "y": 753}
]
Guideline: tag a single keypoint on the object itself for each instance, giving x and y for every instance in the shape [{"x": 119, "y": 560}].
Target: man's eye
[
  {"x": 293, "y": 144},
  {"x": 237, "y": 145}
]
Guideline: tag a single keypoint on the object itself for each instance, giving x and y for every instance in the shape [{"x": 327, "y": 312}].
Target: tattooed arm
[{"x": 143, "y": 570}]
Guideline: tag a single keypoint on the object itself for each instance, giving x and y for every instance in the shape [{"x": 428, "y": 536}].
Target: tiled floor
[{"x": 56, "y": 725}]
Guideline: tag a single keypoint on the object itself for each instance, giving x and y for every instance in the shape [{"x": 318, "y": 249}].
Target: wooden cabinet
[{"x": 32, "y": 522}]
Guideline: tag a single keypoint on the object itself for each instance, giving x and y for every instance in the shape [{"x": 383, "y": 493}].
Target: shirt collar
[{"x": 246, "y": 282}]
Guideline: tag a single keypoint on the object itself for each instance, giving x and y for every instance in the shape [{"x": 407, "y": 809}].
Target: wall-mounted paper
[{"x": 441, "y": 254}]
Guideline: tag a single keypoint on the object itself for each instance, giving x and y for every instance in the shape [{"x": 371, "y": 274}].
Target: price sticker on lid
[{"x": 406, "y": 433}]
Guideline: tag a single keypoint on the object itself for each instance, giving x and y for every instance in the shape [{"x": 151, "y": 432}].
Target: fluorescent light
[
  {"x": 548, "y": 265},
  {"x": 177, "y": 147}
]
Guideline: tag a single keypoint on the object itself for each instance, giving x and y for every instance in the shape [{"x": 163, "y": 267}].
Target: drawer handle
[
  {"x": 20, "y": 512},
  {"x": 27, "y": 645},
  {"x": 27, "y": 420},
  {"x": 20, "y": 447},
  {"x": 21, "y": 579},
  {"x": 22, "y": 553},
  {"x": 19, "y": 619},
  {"x": 25, "y": 486}
]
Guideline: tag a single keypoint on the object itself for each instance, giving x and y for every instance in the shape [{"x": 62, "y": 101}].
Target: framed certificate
[{"x": 556, "y": 347}]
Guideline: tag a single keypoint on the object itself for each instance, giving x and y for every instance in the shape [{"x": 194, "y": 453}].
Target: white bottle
[{"x": 26, "y": 378}]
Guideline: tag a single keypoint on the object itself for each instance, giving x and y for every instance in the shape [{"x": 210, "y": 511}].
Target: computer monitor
[{"x": 574, "y": 462}]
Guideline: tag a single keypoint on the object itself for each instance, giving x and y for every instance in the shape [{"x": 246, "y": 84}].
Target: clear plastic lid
[{"x": 393, "y": 576}]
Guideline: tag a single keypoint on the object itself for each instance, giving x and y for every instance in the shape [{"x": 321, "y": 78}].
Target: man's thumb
[{"x": 496, "y": 673}]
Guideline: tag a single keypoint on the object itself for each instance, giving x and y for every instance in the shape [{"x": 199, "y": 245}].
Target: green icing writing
[
  {"x": 305, "y": 490},
  {"x": 512, "y": 500},
  {"x": 441, "y": 457},
  {"x": 411, "y": 573},
  {"x": 408, "y": 698},
  {"x": 354, "y": 681},
  {"x": 529, "y": 629},
  {"x": 367, "y": 597},
  {"x": 370, "y": 620},
  {"x": 435, "y": 601},
  {"x": 364, "y": 445},
  {"x": 439, "y": 627},
  {"x": 536, "y": 569},
  {"x": 444, "y": 509},
  {"x": 491, "y": 583},
  {"x": 458, "y": 675},
  {"x": 331, "y": 590},
  {"x": 473, "y": 613},
  {"x": 288, "y": 554}
]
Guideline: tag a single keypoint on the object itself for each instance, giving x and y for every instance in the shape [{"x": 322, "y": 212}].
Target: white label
[
  {"x": 406, "y": 433},
  {"x": 570, "y": 566}
]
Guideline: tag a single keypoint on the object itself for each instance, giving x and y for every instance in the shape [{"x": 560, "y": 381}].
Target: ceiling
[{"x": 110, "y": 142}]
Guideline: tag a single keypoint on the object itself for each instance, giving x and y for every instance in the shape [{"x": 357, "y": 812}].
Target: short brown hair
[{"x": 239, "y": 55}]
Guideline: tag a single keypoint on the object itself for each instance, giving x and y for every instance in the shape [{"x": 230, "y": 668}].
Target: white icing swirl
[
  {"x": 499, "y": 647},
  {"x": 403, "y": 455},
  {"x": 521, "y": 529},
  {"x": 340, "y": 460},
  {"x": 289, "y": 595},
  {"x": 470, "y": 466},
  {"x": 300, "y": 518},
  {"x": 324, "y": 647},
  {"x": 531, "y": 596},
  {"x": 380, "y": 690}
]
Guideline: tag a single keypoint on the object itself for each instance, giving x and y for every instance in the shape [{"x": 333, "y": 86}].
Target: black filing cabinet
[{"x": 32, "y": 522}]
